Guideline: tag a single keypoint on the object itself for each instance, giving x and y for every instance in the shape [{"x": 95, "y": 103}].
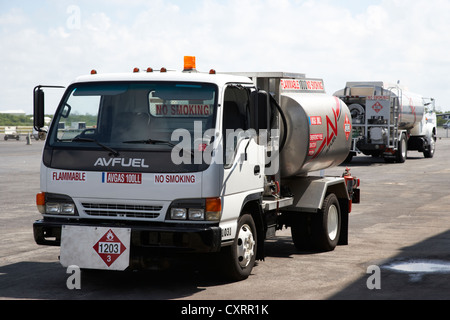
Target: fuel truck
[
  {"x": 171, "y": 163},
  {"x": 388, "y": 120}
]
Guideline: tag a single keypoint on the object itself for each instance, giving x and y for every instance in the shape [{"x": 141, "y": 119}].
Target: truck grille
[{"x": 121, "y": 210}]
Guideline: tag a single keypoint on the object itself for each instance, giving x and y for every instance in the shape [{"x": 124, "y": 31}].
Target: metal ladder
[{"x": 396, "y": 102}]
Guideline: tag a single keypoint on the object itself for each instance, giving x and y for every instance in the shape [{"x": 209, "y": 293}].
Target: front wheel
[
  {"x": 429, "y": 150},
  {"x": 238, "y": 259}
]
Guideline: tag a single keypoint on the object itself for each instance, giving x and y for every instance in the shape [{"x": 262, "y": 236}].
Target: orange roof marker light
[
  {"x": 93, "y": 71},
  {"x": 149, "y": 69},
  {"x": 189, "y": 63},
  {"x": 135, "y": 70}
]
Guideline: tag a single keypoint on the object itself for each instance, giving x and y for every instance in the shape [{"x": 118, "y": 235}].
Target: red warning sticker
[
  {"x": 347, "y": 127},
  {"x": 109, "y": 247},
  {"x": 377, "y": 107}
]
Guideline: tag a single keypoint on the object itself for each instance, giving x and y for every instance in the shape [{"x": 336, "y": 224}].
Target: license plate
[{"x": 95, "y": 247}]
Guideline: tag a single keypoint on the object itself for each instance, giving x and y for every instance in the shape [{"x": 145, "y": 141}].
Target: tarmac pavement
[{"x": 399, "y": 244}]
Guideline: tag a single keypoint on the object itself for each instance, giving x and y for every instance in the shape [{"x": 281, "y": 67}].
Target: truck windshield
[{"x": 143, "y": 115}]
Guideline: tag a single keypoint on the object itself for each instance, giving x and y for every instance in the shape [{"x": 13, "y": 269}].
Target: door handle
[{"x": 256, "y": 170}]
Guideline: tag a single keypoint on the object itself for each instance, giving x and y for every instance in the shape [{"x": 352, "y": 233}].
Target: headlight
[
  {"x": 60, "y": 208},
  {"x": 57, "y": 204},
  {"x": 178, "y": 213},
  {"x": 52, "y": 208},
  {"x": 196, "y": 209},
  {"x": 68, "y": 208},
  {"x": 196, "y": 214}
]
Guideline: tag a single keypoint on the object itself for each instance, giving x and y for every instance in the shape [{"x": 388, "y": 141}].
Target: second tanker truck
[
  {"x": 388, "y": 120},
  {"x": 180, "y": 162}
]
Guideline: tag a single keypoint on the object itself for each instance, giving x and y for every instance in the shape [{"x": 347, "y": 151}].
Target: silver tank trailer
[
  {"x": 318, "y": 133},
  {"x": 411, "y": 112},
  {"x": 411, "y": 109}
]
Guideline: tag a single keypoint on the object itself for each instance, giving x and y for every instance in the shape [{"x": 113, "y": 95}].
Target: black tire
[
  {"x": 326, "y": 225},
  {"x": 349, "y": 157},
  {"x": 402, "y": 151},
  {"x": 238, "y": 259},
  {"x": 429, "y": 150}
]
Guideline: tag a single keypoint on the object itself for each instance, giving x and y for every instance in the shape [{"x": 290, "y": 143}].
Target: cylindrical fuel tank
[
  {"x": 411, "y": 112},
  {"x": 318, "y": 133}
]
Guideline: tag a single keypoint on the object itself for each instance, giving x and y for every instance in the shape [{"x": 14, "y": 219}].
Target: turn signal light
[
  {"x": 213, "y": 209},
  {"x": 40, "y": 202}
]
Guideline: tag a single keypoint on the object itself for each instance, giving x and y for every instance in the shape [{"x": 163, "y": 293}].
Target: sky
[{"x": 52, "y": 42}]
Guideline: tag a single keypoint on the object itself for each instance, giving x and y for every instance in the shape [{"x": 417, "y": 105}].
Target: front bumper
[{"x": 184, "y": 238}]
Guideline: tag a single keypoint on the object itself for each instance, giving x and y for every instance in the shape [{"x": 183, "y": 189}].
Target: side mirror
[
  {"x": 38, "y": 108},
  {"x": 259, "y": 110},
  {"x": 39, "y": 105}
]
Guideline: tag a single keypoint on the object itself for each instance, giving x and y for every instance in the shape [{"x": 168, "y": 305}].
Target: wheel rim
[
  {"x": 333, "y": 222},
  {"x": 245, "y": 246},
  {"x": 432, "y": 146},
  {"x": 403, "y": 148}
]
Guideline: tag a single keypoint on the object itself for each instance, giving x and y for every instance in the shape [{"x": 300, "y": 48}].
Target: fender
[
  {"x": 309, "y": 192},
  {"x": 252, "y": 205}
]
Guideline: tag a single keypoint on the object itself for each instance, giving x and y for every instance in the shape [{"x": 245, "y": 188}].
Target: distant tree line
[
  {"x": 7, "y": 119},
  {"x": 12, "y": 120},
  {"x": 441, "y": 120},
  {"x": 90, "y": 120}
]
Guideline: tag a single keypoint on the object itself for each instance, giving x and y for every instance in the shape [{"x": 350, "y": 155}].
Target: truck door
[{"x": 243, "y": 156}]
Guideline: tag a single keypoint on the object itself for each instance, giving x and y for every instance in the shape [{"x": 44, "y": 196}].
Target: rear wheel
[
  {"x": 326, "y": 226},
  {"x": 402, "y": 151},
  {"x": 238, "y": 259},
  {"x": 349, "y": 157}
]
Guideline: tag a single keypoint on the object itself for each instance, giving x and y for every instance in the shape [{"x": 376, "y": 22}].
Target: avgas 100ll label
[{"x": 122, "y": 177}]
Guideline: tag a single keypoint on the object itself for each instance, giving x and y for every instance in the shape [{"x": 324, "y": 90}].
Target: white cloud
[{"x": 350, "y": 40}]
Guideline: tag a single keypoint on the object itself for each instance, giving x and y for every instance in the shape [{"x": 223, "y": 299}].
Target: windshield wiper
[
  {"x": 78, "y": 139},
  {"x": 152, "y": 141}
]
